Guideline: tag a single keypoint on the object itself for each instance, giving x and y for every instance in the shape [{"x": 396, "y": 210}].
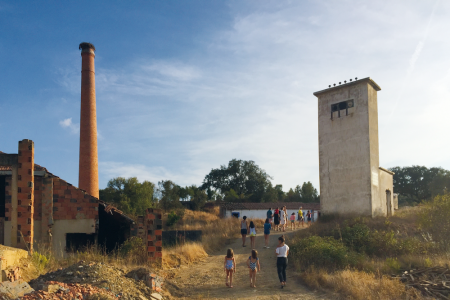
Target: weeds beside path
[{"x": 206, "y": 278}]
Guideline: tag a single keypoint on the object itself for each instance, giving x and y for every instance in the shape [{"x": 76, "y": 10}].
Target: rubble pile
[
  {"x": 433, "y": 282},
  {"x": 99, "y": 276},
  {"x": 69, "y": 291}
]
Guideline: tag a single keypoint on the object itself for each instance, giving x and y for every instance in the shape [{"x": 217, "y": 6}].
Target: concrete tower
[
  {"x": 88, "y": 171},
  {"x": 351, "y": 180}
]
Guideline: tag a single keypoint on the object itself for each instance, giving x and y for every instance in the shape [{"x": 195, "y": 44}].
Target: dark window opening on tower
[{"x": 339, "y": 107}]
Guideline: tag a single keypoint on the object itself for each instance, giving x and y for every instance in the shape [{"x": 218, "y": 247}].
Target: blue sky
[{"x": 185, "y": 86}]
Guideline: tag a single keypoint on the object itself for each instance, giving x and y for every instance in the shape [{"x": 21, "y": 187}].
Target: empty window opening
[
  {"x": 341, "y": 108},
  {"x": 79, "y": 241},
  {"x": 2, "y": 196}
]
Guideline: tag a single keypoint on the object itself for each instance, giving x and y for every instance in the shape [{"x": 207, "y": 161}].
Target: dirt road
[{"x": 206, "y": 279}]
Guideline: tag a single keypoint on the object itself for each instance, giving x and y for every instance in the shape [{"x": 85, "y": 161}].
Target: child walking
[
  {"x": 267, "y": 228},
  {"x": 252, "y": 234},
  {"x": 229, "y": 267},
  {"x": 254, "y": 266},
  {"x": 293, "y": 221}
]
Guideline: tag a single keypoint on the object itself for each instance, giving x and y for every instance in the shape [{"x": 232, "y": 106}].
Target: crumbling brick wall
[{"x": 70, "y": 203}]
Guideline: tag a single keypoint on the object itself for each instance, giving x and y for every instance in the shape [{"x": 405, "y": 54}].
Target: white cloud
[
  {"x": 247, "y": 94},
  {"x": 67, "y": 123}
]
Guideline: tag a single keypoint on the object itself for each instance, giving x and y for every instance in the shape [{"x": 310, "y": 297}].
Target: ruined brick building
[{"x": 39, "y": 208}]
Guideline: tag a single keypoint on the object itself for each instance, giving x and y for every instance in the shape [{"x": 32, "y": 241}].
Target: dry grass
[
  {"x": 185, "y": 254},
  {"x": 44, "y": 260},
  {"x": 216, "y": 232},
  {"x": 358, "y": 285}
]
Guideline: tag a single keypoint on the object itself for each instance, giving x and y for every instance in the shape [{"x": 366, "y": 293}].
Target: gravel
[{"x": 99, "y": 276}]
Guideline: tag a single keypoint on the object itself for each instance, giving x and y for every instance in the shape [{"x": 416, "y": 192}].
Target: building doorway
[{"x": 389, "y": 203}]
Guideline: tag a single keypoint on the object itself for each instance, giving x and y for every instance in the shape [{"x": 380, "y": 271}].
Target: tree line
[
  {"x": 239, "y": 181},
  {"x": 416, "y": 184},
  {"x": 244, "y": 181}
]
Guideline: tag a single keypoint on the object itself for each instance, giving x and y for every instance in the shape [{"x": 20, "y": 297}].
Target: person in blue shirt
[
  {"x": 270, "y": 215},
  {"x": 267, "y": 228}
]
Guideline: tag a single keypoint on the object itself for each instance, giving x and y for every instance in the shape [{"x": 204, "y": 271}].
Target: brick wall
[
  {"x": 25, "y": 195},
  {"x": 71, "y": 203},
  {"x": 153, "y": 224}
]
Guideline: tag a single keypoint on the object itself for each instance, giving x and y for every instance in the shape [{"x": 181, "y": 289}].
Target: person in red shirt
[{"x": 276, "y": 218}]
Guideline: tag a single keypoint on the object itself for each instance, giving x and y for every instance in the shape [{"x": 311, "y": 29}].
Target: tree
[
  {"x": 197, "y": 196},
  {"x": 129, "y": 195},
  {"x": 271, "y": 194},
  {"x": 280, "y": 193},
  {"x": 169, "y": 194},
  {"x": 308, "y": 193},
  {"x": 418, "y": 183},
  {"x": 292, "y": 196},
  {"x": 440, "y": 184},
  {"x": 243, "y": 177}
]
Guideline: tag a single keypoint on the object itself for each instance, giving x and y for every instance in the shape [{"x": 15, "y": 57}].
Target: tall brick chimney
[{"x": 88, "y": 171}]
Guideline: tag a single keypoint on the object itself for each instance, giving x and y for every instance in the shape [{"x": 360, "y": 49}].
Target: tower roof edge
[{"x": 367, "y": 79}]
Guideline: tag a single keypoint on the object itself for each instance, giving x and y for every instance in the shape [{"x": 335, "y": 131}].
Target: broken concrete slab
[{"x": 15, "y": 289}]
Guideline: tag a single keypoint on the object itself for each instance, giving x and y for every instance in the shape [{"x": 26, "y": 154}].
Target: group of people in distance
[
  {"x": 253, "y": 263},
  {"x": 279, "y": 218}
]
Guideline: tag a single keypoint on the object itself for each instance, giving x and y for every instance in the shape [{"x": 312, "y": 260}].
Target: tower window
[{"x": 339, "y": 107}]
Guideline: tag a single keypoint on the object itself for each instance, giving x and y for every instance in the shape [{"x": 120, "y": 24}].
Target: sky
[{"x": 183, "y": 87}]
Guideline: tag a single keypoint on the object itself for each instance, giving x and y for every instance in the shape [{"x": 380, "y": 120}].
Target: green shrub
[
  {"x": 322, "y": 252},
  {"x": 435, "y": 218},
  {"x": 356, "y": 237},
  {"x": 134, "y": 246},
  {"x": 392, "y": 264},
  {"x": 382, "y": 243},
  {"x": 172, "y": 218},
  {"x": 40, "y": 261}
]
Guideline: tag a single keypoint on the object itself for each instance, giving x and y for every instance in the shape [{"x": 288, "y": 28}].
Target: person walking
[
  {"x": 252, "y": 234},
  {"x": 276, "y": 218},
  {"x": 267, "y": 227},
  {"x": 283, "y": 218},
  {"x": 244, "y": 230},
  {"x": 300, "y": 217},
  {"x": 254, "y": 266},
  {"x": 292, "y": 218},
  {"x": 230, "y": 267},
  {"x": 270, "y": 215},
  {"x": 282, "y": 253},
  {"x": 308, "y": 218}
]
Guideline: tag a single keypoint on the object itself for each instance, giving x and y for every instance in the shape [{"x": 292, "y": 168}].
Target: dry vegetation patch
[
  {"x": 356, "y": 257},
  {"x": 358, "y": 285},
  {"x": 216, "y": 232}
]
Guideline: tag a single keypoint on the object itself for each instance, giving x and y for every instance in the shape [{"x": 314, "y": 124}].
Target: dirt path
[{"x": 206, "y": 279}]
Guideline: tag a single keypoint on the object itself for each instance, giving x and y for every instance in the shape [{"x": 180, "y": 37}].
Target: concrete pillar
[
  {"x": 25, "y": 195},
  {"x": 47, "y": 209},
  {"x": 88, "y": 165}
]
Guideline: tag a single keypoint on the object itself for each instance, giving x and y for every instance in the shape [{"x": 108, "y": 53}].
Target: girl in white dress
[
  {"x": 283, "y": 218},
  {"x": 252, "y": 234}
]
